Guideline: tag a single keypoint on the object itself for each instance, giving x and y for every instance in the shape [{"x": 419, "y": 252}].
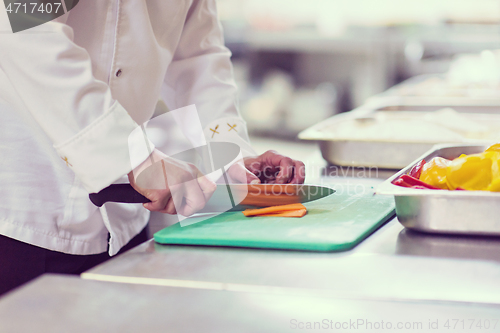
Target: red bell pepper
[
  {"x": 412, "y": 182},
  {"x": 417, "y": 182},
  {"x": 418, "y": 187},
  {"x": 416, "y": 171},
  {"x": 400, "y": 182}
]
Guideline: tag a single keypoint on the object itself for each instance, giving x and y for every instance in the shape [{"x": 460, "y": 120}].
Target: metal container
[
  {"x": 396, "y": 154},
  {"x": 390, "y": 154},
  {"x": 441, "y": 211},
  {"x": 385, "y": 155},
  {"x": 363, "y": 153}
]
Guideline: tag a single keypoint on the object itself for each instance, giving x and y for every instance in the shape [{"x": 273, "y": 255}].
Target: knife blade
[{"x": 234, "y": 197}]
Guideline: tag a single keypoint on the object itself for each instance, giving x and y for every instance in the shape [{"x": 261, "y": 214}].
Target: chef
[{"x": 71, "y": 93}]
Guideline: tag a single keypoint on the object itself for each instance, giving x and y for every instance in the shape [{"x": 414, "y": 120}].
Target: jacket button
[{"x": 118, "y": 73}]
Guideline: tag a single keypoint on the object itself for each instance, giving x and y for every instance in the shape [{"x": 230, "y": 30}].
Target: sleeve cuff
[{"x": 107, "y": 149}]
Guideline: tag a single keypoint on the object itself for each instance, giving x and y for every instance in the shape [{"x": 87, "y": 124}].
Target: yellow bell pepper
[
  {"x": 435, "y": 171},
  {"x": 495, "y": 147},
  {"x": 475, "y": 172},
  {"x": 494, "y": 186},
  {"x": 495, "y": 170}
]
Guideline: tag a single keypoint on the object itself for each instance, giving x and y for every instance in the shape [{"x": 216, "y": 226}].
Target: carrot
[
  {"x": 274, "y": 209},
  {"x": 290, "y": 213}
]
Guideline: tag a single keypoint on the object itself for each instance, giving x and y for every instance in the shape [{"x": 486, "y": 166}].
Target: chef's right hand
[{"x": 172, "y": 186}]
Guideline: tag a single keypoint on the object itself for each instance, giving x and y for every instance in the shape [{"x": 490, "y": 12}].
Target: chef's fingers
[
  {"x": 194, "y": 199},
  {"x": 251, "y": 178},
  {"x": 286, "y": 170},
  {"x": 170, "y": 208},
  {"x": 159, "y": 199},
  {"x": 274, "y": 161},
  {"x": 175, "y": 200},
  {"x": 186, "y": 199},
  {"x": 254, "y": 166},
  {"x": 299, "y": 173},
  {"x": 238, "y": 173}
]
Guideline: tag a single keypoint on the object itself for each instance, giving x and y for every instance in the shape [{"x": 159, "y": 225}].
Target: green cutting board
[{"x": 335, "y": 223}]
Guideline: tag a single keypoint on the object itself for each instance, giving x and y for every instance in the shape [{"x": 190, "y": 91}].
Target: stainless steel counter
[
  {"x": 392, "y": 264},
  {"x": 442, "y": 283},
  {"x": 55, "y": 303}
]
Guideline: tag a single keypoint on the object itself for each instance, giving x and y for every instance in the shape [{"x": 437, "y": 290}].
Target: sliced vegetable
[
  {"x": 290, "y": 213},
  {"x": 417, "y": 187},
  {"x": 494, "y": 186},
  {"x": 472, "y": 172},
  {"x": 416, "y": 171},
  {"x": 401, "y": 182},
  {"x": 434, "y": 172},
  {"x": 416, "y": 182},
  {"x": 475, "y": 172},
  {"x": 411, "y": 182},
  {"x": 276, "y": 210},
  {"x": 495, "y": 147}
]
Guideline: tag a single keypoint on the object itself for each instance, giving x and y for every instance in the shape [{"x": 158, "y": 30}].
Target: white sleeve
[
  {"x": 53, "y": 77},
  {"x": 201, "y": 73}
]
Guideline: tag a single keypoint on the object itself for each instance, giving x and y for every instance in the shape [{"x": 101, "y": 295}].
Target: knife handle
[{"x": 117, "y": 193}]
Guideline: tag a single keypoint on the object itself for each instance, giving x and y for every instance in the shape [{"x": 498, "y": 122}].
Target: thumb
[{"x": 239, "y": 174}]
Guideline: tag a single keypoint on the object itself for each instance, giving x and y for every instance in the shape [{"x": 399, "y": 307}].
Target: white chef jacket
[{"x": 71, "y": 92}]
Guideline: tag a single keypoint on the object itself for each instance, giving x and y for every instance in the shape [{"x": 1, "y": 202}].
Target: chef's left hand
[{"x": 271, "y": 168}]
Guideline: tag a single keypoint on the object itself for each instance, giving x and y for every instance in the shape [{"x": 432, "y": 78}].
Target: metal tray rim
[{"x": 313, "y": 133}]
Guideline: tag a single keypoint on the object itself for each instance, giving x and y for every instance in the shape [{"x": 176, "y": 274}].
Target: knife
[{"x": 234, "y": 197}]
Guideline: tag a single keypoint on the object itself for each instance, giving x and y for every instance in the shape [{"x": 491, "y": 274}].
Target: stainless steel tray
[
  {"x": 447, "y": 212},
  {"x": 384, "y": 154},
  {"x": 394, "y": 155},
  {"x": 388, "y": 155}
]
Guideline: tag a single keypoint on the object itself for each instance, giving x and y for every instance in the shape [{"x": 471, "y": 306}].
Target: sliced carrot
[
  {"x": 274, "y": 209},
  {"x": 289, "y": 213}
]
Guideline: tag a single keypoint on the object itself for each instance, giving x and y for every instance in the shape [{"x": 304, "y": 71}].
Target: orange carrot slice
[
  {"x": 290, "y": 213},
  {"x": 274, "y": 209}
]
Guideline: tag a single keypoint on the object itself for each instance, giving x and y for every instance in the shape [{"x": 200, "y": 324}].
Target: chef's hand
[
  {"x": 168, "y": 180},
  {"x": 269, "y": 167}
]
